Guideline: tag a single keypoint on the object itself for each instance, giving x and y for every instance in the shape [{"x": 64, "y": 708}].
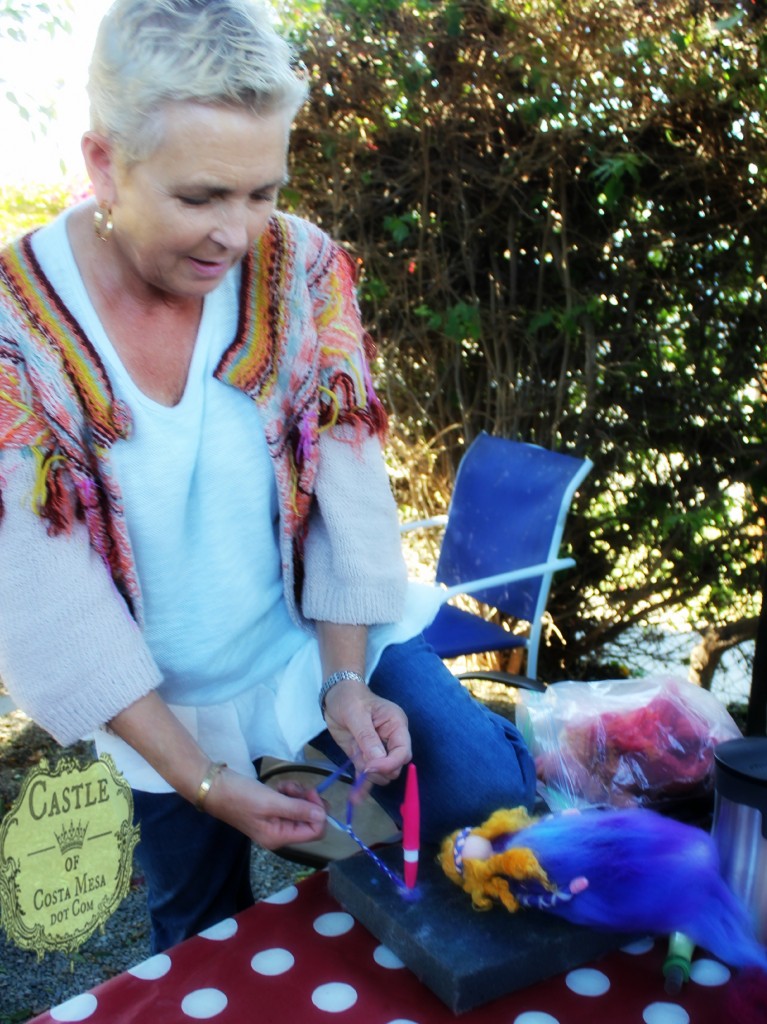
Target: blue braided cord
[
  {"x": 358, "y": 783},
  {"x": 399, "y": 882},
  {"x": 543, "y": 901},
  {"x": 332, "y": 777},
  {"x": 458, "y": 845}
]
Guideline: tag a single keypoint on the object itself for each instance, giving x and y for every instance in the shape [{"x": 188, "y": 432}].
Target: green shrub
[{"x": 24, "y": 207}]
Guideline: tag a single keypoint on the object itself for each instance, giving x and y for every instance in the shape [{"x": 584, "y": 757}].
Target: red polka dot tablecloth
[{"x": 297, "y": 958}]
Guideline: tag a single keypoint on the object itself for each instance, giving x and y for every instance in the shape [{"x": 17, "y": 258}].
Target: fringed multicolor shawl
[{"x": 300, "y": 353}]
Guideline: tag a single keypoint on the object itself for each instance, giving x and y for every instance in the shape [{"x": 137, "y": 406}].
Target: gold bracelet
[{"x": 207, "y": 782}]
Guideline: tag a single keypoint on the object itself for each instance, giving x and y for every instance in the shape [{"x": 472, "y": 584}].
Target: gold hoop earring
[{"x": 102, "y": 222}]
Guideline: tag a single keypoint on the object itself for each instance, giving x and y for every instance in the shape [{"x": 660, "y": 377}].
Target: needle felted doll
[{"x": 631, "y": 871}]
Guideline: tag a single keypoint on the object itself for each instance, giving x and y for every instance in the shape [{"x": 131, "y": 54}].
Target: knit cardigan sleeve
[
  {"x": 71, "y": 655},
  {"x": 354, "y": 571}
]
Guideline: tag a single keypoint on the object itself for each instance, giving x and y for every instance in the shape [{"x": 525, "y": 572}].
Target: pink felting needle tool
[{"x": 411, "y": 827}]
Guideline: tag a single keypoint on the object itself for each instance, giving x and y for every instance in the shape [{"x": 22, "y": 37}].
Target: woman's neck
[{"x": 153, "y": 332}]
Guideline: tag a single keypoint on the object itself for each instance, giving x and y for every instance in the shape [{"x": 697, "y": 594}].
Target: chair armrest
[
  {"x": 419, "y": 524},
  {"x": 507, "y": 678},
  {"x": 488, "y": 582}
]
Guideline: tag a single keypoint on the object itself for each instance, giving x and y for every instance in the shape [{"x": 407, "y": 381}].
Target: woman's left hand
[{"x": 371, "y": 730}]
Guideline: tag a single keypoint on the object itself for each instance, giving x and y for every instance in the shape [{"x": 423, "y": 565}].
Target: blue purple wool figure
[{"x": 631, "y": 871}]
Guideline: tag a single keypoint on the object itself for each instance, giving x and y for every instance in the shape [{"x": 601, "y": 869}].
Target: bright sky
[{"x": 47, "y": 71}]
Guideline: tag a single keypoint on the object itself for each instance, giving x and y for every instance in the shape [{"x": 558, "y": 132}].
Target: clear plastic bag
[{"x": 637, "y": 742}]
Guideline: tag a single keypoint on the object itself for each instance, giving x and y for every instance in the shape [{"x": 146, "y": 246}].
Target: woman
[{"x": 197, "y": 538}]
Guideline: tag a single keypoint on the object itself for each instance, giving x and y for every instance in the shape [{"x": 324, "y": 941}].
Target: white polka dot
[
  {"x": 587, "y": 982},
  {"x": 271, "y": 962},
  {"x": 334, "y": 997},
  {"x": 639, "y": 947},
  {"x": 283, "y": 896},
  {"x": 223, "y": 930},
  {"x": 79, "y": 1008},
  {"x": 535, "y": 1017},
  {"x": 401, "y": 1020},
  {"x": 665, "y": 1013},
  {"x": 709, "y": 973},
  {"x": 204, "y": 1003},
  {"x": 333, "y": 924},
  {"x": 151, "y": 969},
  {"x": 384, "y": 957}
]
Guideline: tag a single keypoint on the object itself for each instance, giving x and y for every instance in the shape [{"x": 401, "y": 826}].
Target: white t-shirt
[{"x": 201, "y": 510}]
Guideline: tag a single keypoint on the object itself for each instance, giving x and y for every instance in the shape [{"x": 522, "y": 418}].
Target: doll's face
[{"x": 477, "y": 848}]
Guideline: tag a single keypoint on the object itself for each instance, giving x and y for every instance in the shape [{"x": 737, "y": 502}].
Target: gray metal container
[{"x": 740, "y": 822}]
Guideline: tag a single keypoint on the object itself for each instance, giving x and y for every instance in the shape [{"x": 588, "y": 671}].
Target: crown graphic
[{"x": 71, "y": 837}]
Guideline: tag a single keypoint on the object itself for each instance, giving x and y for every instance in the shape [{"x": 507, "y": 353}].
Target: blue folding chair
[{"x": 502, "y": 537}]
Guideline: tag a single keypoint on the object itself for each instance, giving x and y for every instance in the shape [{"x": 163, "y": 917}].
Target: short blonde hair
[{"x": 152, "y": 52}]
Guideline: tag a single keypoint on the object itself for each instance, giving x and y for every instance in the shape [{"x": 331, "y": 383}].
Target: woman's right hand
[{"x": 271, "y": 818}]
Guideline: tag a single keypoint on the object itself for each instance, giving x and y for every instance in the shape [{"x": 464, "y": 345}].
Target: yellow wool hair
[{"x": 487, "y": 880}]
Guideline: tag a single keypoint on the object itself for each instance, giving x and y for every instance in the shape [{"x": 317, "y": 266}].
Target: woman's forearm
[
  {"x": 268, "y": 817},
  {"x": 342, "y": 647},
  {"x": 151, "y": 728}
]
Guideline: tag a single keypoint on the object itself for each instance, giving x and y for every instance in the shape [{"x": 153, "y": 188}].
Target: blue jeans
[
  {"x": 470, "y": 763},
  {"x": 196, "y": 868}
]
